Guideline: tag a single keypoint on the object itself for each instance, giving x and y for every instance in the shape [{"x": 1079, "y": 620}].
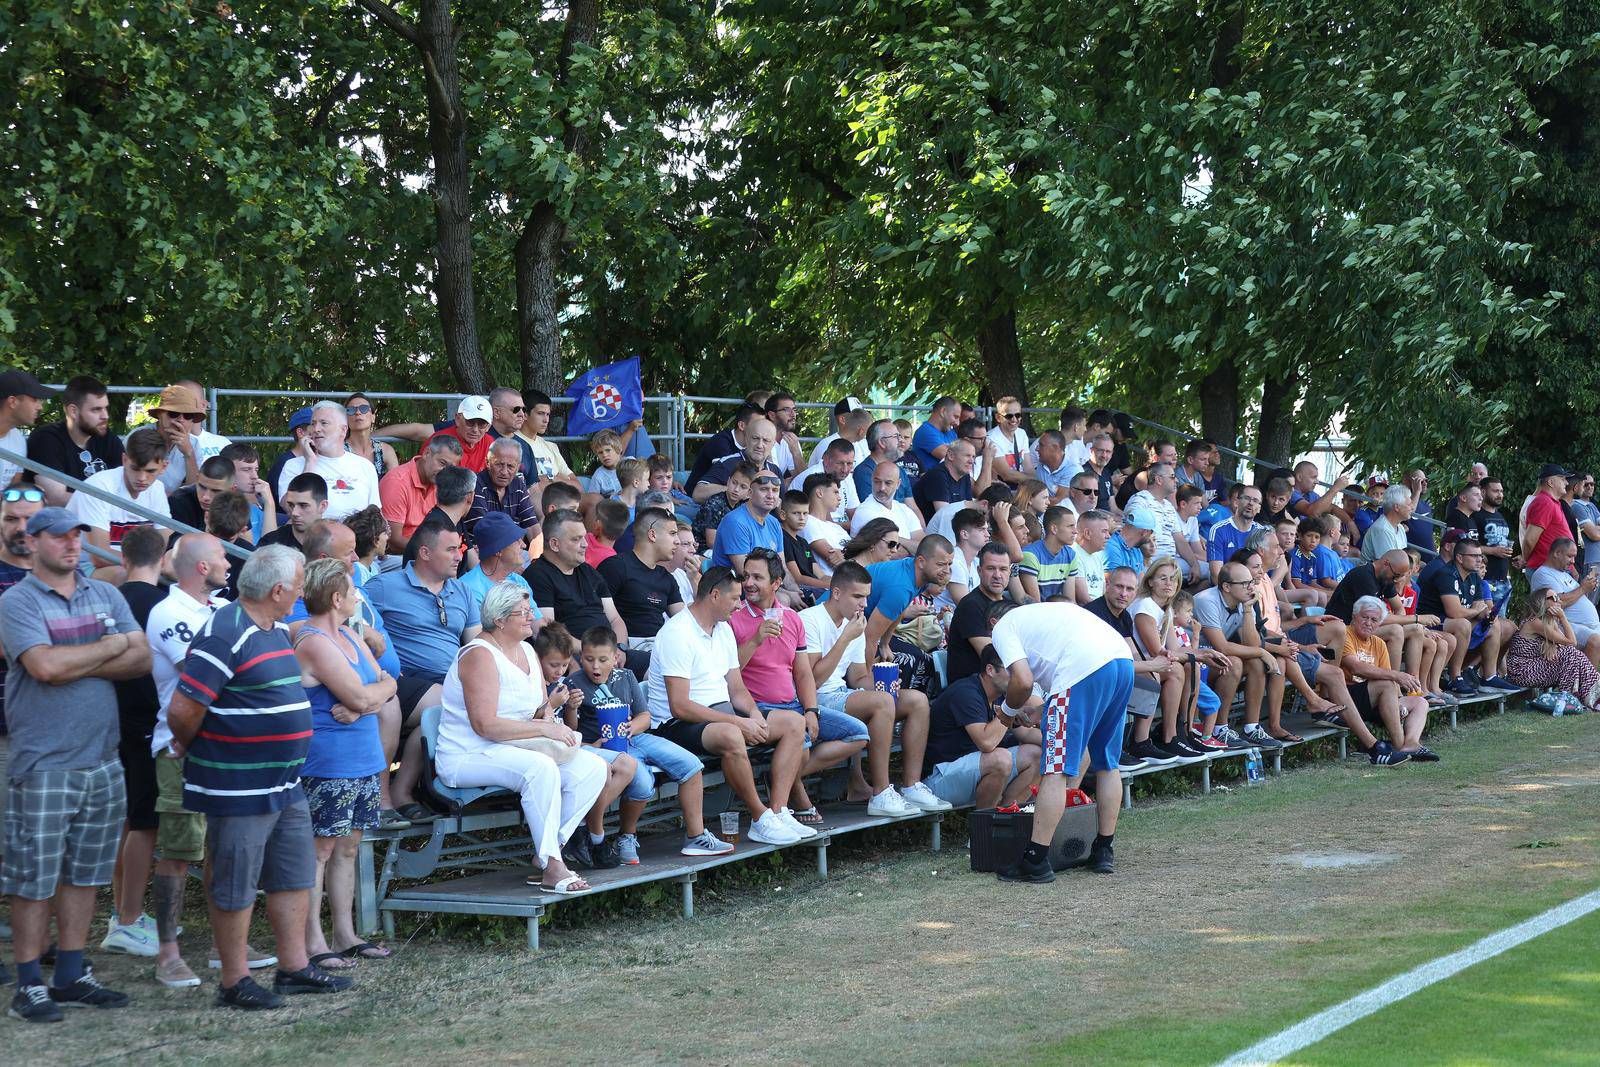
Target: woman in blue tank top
[{"x": 346, "y": 688}]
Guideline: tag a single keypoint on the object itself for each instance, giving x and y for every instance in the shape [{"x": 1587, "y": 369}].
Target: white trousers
[{"x": 555, "y": 798}]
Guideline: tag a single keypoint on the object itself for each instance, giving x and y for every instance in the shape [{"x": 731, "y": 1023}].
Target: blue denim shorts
[
  {"x": 652, "y": 754},
  {"x": 957, "y": 781},
  {"x": 831, "y": 725}
]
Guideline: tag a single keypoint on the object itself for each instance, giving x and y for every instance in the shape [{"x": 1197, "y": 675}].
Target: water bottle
[
  {"x": 1563, "y": 705},
  {"x": 1253, "y": 772}
]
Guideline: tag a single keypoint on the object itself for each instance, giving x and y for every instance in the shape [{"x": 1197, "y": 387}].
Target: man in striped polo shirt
[{"x": 242, "y": 719}]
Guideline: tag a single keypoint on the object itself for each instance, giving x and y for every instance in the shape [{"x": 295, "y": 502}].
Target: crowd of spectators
[{"x": 581, "y": 640}]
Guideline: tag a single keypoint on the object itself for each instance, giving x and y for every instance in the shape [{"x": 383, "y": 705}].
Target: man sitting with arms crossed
[
  {"x": 698, "y": 702},
  {"x": 836, "y": 652},
  {"x": 1085, "y": 670},
  {"x": 977, "y": 759}
]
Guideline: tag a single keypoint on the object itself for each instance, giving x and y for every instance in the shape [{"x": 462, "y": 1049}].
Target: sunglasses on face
[
  {"x": 11, "y": 496},
  {"x": 892, "y": 546},
  {"x": 1010, "y": 416},
  {"x": 187, "y": 416},
  {"x": 358, "y": 409},
  {"x": 516, "y": 409}
]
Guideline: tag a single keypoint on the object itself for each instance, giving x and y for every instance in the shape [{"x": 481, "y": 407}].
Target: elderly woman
[
  {"x": 494, "y": 695},
  {"x": 1544, "y": 652},
  {"x": 1380, "y": 693},
  {"x": 345, "y": 687}
]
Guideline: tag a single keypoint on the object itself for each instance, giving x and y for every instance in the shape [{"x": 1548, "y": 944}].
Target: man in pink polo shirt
[{"x": 771, "y": 639}]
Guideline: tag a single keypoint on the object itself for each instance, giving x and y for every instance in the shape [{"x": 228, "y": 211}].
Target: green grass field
[{"x": 1231, "y": 917}]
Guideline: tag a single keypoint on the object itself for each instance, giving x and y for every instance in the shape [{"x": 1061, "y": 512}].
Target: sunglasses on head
[
  {"x": 11, "y": 496},
  {"x": 358, "y": 409}
]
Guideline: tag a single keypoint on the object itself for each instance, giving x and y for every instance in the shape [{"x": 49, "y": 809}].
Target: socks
[
  {"x": 595, "y": 839},
  {"x": 29, "y": 973},
  {"x": 1101, "y": 840},
  {"x": 69, "y": 968},
  {"x": 1034, "y": 854}
]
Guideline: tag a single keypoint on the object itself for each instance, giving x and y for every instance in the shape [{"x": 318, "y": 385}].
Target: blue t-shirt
[
  {"x": 739, "y": 532},
  {"x": 1226, "y": 539},
  {"x": 1332, "y": 564},
  {"x": 1210, "y": 516},
  {"x": 478, "y": 584},
  {"x": 390, "y": 660},
  {"x": 1419, "y": 530},
  {"x": 1121, "y": 554},
  {"x": 1296, "y": 497},
  {"x": 247, "y": 757},
  {"x": 927, "y": 438},
  {"x": 411, "y": 616},
  {"x": 1312, "y": 568},
  {"x": 894, "y": 585}
]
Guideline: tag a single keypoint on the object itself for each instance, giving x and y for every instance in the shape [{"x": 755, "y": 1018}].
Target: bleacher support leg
[
  {"x": 366, "y": 888},
  {"x": 1344, "y": 746},
  {"x": 1127, "y": 796},
  {"x": 686, "y": 887},
  {"x": 1205, "y": 777},
  {"x": 822, "y": 859},
  {"x": 1277, "y": 761},
  {"x": 388, "y": 924},
  {"x": 938, "y": 833},
  {"x": 1452, "y": 716},
  {"x": 533, "y": 934}
]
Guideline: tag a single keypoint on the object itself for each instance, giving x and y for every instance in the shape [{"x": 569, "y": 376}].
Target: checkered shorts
[
  {"x": 1053, "y": 725},
  {"x": 62, "y": 824}
]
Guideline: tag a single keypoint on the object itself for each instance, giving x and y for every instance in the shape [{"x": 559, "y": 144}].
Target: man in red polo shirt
[
  {"x": 408, "y": 492},
  {"x": 470, "y": 427},
  {"x": 1543, "y": 524}
]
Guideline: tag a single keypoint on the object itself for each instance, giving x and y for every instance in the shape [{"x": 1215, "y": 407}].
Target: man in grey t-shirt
[
  {"x": 67, "y": 638},
  {"x": 1225, "y": 614}
]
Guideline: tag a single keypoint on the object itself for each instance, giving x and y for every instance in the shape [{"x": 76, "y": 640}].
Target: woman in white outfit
[{"x": 494, "y": 695}]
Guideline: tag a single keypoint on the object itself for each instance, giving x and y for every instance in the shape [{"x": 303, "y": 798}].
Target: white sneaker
[
  {"x": 770, "y": 829},
  {"x": 148, "y": 922},
  {"x": 805, "y": 832},
  {"x": 924, "y": 798},
  {"x": 890, "y": 805},
  {"x": 131, "y": 940}
]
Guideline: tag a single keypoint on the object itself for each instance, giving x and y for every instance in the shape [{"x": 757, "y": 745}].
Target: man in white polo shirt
[{"x": 1085, "y": 670}]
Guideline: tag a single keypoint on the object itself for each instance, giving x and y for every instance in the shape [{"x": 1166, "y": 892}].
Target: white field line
[{"x": 1310, "y": 1031}]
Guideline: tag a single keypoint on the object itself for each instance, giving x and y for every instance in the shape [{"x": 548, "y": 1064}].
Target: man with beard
[
  {"x": 784, "y": 412},
  {"x": 884, "y": 445},
  {"x": 80, "y": 444}
]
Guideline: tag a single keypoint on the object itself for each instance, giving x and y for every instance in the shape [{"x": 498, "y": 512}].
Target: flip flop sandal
[
  {"x": 322, "y": 958},
  {"x": 809, "y": 817},
  {"x": 1287, "y": 738},
  {"x": 415, "y": 812},
  {"x": 571, "y": 885},
  {"x": 366, "y": 950}
]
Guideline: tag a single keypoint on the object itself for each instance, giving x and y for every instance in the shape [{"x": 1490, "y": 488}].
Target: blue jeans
[
  {"x": 832, "y": 725},
  {"x": 653, "y": 754}
]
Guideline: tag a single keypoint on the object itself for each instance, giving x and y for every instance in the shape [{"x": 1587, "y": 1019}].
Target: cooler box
[{"x": 998, "y": 837}]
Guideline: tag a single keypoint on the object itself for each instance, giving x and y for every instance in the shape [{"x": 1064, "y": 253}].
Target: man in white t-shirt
[
  {"x": 1170, "y": 536},
  {"x": 853, "y": 431},
  {"x": 836, "y": 646},
  {"x": 1010, "y": 461},
  {"x": 1094, "y": 530},
  {"x": 699, "y": 702},
  {"x": 547, "y": 457},
  {"x": 352, "y": 479},
  {"x": 21, "y": 398},
  {"x": 1085, "y": 670},
  {"x": 180, "y": 415},
  {"x": 838, "y": 459},
  {"x": 971, "y": 530},
  {"x": 883, "y": 505},
  {"x": 138, "y": 480},
  {"x": 201, "y": 567},
  {"x": 826, "y": 537},
  {"x": 784, "y": 412}
]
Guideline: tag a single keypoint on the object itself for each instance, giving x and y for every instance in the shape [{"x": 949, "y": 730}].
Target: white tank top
[{"x": 518, "y": 694}]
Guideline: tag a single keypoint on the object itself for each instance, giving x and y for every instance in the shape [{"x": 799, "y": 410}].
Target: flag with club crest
[{"x": 605, "y": 398}]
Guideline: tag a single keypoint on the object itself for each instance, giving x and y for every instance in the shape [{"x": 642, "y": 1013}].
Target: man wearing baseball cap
[
  {"x": 474, "y": 415},
  {"x": 21, "y": 397},
  {"x": 299, "y": 425},
  {"x": 1126, "y": 547},
  {"x": 68, "y": 638},
  {"x": 180, "y": 415},
  {"x": 1544, "y": 523}
]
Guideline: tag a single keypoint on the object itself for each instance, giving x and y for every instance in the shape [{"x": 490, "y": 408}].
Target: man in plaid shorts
[
  {"x": 67, "y": 638},
  {"x": 1085, "y": 670}
]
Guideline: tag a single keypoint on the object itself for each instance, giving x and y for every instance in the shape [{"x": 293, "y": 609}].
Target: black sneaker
[
  {"x": 576, "y": 854},
  {"x": 1100, "y": 858},
  {"x": 1473, "y": 677},
  {"x": 1152, "y": 754},
  {"x": 1423, "y": 754},
  {"x": 32, "y": 1004},
  {"x": 1129, "y": 762},
  {"x": 607, "y": 854},
  {"x": 87, "y": 992},
  {"x": 1023, "y": 871},
  {"x": 247, "y": 996},
  {"x": 1330, "y": 718},
  {"x": 1181, "y": 752},
  {"x": 312, "y": 979},
  {"x": 1383, "y": 756}
]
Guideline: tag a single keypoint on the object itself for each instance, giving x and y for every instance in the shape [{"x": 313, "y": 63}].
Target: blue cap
[
  {"x": 299, "y": 419},
  {"x": 54, "y": 520},
  {"x": 1140, "y": 518},
  {"x": 494, "y": 532}
]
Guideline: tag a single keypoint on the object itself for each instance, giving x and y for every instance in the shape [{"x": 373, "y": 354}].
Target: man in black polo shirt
[
  {"x": 641, "y": 586},
  {"x": 948, "y": 483},
  {"x": 570, "y": 591},
  {"x": 1401, "y": 632},
  {"x": 969, "y": 626},
  {"x": 305, "y": 500}
]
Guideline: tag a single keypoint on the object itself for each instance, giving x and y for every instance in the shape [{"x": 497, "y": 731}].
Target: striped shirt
[
  {"x": 516, "y": 503},
  {"x": 246, "y": 759}
]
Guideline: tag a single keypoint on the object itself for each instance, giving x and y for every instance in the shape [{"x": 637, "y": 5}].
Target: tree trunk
[
  {"x": 452, "y": 195},
  {"x": 1279, "y": 394},
  {"x": 1000, "y": 353},
  {"x": 1219, "y": 410},
  {"x": 538, "y": 250}
]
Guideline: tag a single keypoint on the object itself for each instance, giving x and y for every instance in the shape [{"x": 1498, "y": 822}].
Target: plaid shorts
[{"x": 62, "y": 824}]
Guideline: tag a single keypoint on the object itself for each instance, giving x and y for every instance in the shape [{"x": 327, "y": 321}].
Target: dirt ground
[{"x": 1229, "y": 916}]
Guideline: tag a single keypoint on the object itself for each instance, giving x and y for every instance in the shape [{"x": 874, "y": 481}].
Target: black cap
[
  {"x": 21, "y": 383},
  {"x": 1553, "y": 470}
]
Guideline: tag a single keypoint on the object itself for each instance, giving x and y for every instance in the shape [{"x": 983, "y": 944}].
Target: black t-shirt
[
  {"x": 970, "y": 619},
  {"x": 642, "y": 594},
  {"x": 574, "y": 599},
  {"x": 800, "y": 553},
  {"x": 1270, "y": 519},
  {"x": 962, "y": 704},
  {"x": 274, "y": 474},
  {"x": 1103, "y": 500},
  {"x": 1456, "y": 519},
  {"x": 185, "y": 507},
  {"x": 1438, "y": 580},
  {"x": 717, "y": 445},
  {"x": 1494, "y": 532},
  {"x": 937, "y": 486},
  {"x": 283, "y": 535},
  {"x": 1361, "y": 581},
  {"x": 1123, "y": 623},
  {"x": 137, "y": 702},
  {"x": 53, "y": 446}
]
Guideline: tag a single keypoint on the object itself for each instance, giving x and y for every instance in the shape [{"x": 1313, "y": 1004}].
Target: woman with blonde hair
[
  {"x": 1154, "y": 642},
  {"x": 1544, "y": 652}
]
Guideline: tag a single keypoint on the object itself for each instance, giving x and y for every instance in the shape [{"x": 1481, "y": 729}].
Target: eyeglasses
[
  {"x": 358, "y": 409},
  {"x": 975, "y": 440},
  {"x": 521, "y": 613},
  {"x": 1239, "y": 581},
  {"x": 11, "y": 496}
]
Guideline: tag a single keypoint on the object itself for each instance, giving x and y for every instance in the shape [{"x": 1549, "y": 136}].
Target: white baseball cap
[{"x": 475, "y": 407}]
